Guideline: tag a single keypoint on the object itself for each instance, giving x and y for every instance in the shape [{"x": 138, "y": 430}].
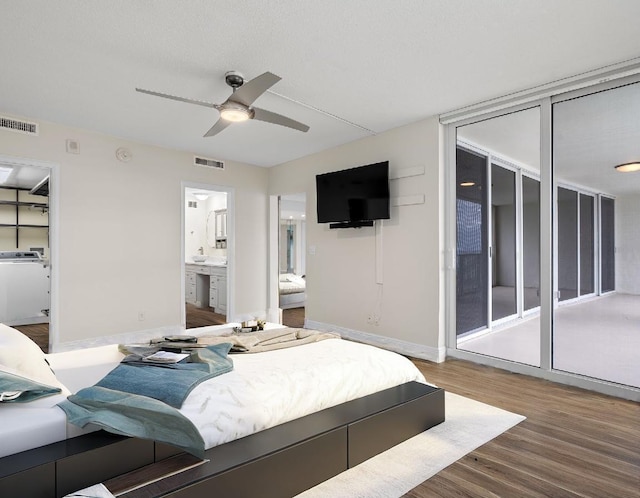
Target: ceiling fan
[{"x": 238, "y": 106}]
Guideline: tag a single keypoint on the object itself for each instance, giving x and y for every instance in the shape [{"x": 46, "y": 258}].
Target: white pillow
[{"x": 22, "y": 356}]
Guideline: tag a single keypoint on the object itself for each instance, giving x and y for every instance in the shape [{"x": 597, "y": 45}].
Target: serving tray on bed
[{"x": 281, "y": 461}]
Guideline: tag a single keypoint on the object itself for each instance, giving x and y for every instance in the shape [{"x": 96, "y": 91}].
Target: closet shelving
[{"x": 17, "y": 204}]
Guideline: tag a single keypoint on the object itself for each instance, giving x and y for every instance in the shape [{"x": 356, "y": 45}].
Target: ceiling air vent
[
  {"x": 19, "y": 126},
  {"x": 208, "y": 163}
]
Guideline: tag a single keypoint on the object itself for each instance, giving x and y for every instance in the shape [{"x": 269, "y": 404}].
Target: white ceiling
[
  {"x": 23, "y": 177},
  {"x": 377, "y": 64}
]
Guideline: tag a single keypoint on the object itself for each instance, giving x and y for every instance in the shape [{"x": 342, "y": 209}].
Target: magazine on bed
[{"x": 165, "y": 357}]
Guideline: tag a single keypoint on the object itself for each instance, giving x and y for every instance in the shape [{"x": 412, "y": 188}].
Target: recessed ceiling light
[
  {"x": 467, "y": 184},
  {"x": 4, "y": 173},
  {"x": 201, "y": 196},
  {"x": 628, "y": 167}
]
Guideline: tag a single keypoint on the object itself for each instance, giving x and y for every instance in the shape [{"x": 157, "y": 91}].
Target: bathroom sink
[{"x": 199, "y": 258}]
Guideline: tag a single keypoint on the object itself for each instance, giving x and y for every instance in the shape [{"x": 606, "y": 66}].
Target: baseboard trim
[
  {"x": 126, "y": 338},
  {"x": 406, "y": 348}
]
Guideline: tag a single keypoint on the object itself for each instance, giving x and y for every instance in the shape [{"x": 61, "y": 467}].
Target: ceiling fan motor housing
[{"x": 234, "y": 79}]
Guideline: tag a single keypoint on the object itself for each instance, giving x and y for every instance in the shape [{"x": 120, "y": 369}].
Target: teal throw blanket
[
  {"x": 133, "y": 415},
  {"x": 141, "y": 399},
  {"x": 16, "y": 389},
  {"x": 170, "y": 382}
]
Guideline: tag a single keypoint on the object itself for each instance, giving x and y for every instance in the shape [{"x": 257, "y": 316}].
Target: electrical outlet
[{"x": 141, "y": 316}]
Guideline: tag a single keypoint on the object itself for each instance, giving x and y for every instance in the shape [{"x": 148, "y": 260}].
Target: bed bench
[{"x": 282, "y": 461}]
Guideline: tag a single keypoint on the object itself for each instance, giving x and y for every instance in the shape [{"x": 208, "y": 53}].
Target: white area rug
[{"x": 468, "y": 424}]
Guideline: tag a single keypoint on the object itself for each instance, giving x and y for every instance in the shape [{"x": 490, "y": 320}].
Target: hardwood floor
[
  {"x": 202, "y": 317},
  {"x": 39, "y": 333},
  {"x": 573, "y": 442},
  {"x": 293, "y": 317}
]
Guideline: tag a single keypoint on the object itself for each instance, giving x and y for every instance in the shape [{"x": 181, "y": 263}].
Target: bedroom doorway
[
  {"x": 292, "y": 259},
  {"x": 28, "y": 273},
  {"x": 207, "y": 248}
]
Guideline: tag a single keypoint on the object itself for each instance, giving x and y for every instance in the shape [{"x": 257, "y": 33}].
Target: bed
[
  {"x": 261, "y": 411},
  {"x": 292, "y": 290}
]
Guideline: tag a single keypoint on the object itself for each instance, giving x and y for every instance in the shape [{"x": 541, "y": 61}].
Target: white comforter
[{"x": 267, "y": 389}]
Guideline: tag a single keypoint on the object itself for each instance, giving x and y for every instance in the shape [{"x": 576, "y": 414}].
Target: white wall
[
  {"x": 627, "y": 244},
  {"x": 120, "y": 230},
  {"x": 340, "y": 266}
]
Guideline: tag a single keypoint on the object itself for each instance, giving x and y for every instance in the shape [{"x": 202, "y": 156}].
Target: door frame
[
  {"x": 231, "y": 246},
  {"x": 54, "y": 237}
]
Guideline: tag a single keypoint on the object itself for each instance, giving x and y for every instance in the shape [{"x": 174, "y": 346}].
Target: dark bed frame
[{"x": 282, "y": 461}]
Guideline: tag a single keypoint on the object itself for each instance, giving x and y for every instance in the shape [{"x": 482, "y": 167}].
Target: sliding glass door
[
  {"x": 576, "y": 244},
  {"x": 607, "y": 245},
  {"x": 530, "y": 243},
  {"x": 587, "y": 241},
  {"x": 498, "y": 236},
  {"x": 472, "y": 292},
  {"x": 502, "y": 252},
  {"x": 567, "y": 208}
]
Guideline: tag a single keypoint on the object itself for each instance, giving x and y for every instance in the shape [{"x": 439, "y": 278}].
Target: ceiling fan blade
[
  {"x": 181, "y": 99},
  {"x": 251, "y": 90},
  {"x": 279, "y": 119},
  {"x": 217, "y": 128}
]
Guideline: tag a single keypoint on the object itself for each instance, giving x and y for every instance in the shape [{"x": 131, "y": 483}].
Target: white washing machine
[{"x": 24, "y": 288}]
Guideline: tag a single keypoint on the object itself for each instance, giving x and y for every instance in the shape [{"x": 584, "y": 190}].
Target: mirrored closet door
[
  {"x": 546, "y": 271},
  {"x": 596, "y": 325},
  {"x": 498, "y": 237}
]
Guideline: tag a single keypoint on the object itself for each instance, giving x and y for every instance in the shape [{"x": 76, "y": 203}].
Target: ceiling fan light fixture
[
  {"x": 628, "y": 167},
  {"x": 235, "y": 114}
]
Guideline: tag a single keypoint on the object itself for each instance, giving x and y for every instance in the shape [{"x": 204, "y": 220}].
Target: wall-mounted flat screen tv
[{"x": 354, "y": 196}]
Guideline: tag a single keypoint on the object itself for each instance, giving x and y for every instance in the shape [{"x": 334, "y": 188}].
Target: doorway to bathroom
[{"x": 207, "y": 255}]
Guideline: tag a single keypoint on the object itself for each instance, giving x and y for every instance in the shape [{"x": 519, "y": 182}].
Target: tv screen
[{"x": 354, "y": 195}]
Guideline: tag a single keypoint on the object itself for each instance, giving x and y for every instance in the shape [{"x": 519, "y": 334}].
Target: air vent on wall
[
  {"x": 208, "y": 163},
  {"x": 12, "y": 124}
]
